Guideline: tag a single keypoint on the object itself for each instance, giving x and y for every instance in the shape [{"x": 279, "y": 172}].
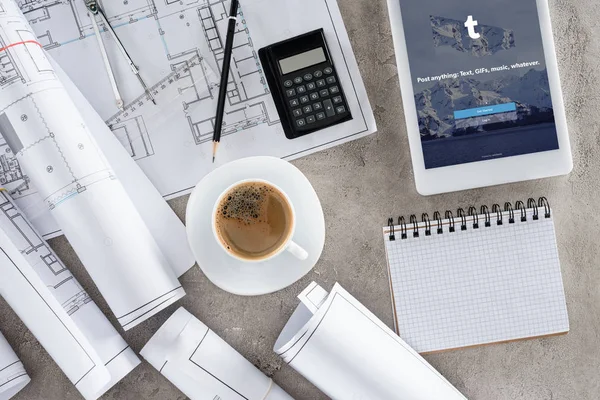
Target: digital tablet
[{"x": 481, "y": 92}]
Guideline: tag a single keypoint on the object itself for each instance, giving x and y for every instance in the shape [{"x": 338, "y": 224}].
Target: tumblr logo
[{"x": 470, "y": 25}]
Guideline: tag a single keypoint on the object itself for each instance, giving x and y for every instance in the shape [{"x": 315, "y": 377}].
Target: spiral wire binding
[
  {"x": 543, "y": 202},
  {"x": 473, "y": 214},
  {"x": 484, "y": 211},
  {"x": 520, "y": 206},
  {"x": 499, "y": 216},
  {"x": 415, "y": 224},
  {"x": 532, "y": 204},
  {"x": 392, "y": 229},
  {"x": 402, "y": 223},
  {"x": 440, "y": 228},
  {"x": 425, "y": 219},
  {"x": 463, "y": 219},
  {"x": 450, "y": 217},
  {"x": 511, "y": 213}
]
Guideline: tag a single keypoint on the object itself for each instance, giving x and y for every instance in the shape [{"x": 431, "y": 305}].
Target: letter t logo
[{"x": 470, "y": 25}]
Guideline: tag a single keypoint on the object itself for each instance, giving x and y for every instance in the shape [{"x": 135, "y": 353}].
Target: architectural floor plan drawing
[
  {"x": 178, "y": 47},
  {"x": 46, "y": 264},
  {"x": 194, "y": 84}
]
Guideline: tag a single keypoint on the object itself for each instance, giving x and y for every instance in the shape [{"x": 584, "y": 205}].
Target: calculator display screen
[{"x": 302, "y": 60}]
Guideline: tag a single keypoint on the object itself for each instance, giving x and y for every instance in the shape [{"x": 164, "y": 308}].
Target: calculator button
[
  {"x": 317, "y": 106},
  {"x": 303, "y": 99},
  {"x": 320, "y": 116},
  {"x": 290, "y": 92},
  {"x": 318, "y": 74},
  {"x": 333, "y": 90},
  {"x": 294, "y": 103},
  {"x": 298, "y": 80},
  {"x": 288, "y": 83},
  {"x": 307, "y": 109},
  {"x": 329, "y": 108},
  {"x": 321, "y": 83},
  {"x": 331, "y": 80},
  {"x": 337, "y": 99},
  {"x": 324, "y": 93},
  {"x": 328, "y": 70},
  {"x": 300, "y": 122},
  {"x": 311, "y": 86},
  {"x": 301, "y": 89},
  {"x": 308, "y": 77},
  {"x": 310, "y": 119},
  {"x": 297, "y": 112},
  {"x": 314, "y": 96},
  {"x": 340, "y": 109}
]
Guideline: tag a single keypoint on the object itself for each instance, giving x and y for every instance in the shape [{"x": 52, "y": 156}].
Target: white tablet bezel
[{"x": 489, "y": 172}]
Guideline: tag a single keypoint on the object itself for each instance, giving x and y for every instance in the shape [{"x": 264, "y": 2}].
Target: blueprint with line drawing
[
  {"x": 127, "y": 237},
  {"x": 342, "y": 348},
  {"x": 41, "y": 262},
  {"x": 13, "y": 376},
  {"x": 203, "y": 366},
  {"x": 178, "y": 47}
]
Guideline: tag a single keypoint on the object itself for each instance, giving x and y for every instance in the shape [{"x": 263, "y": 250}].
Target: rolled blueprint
[
  {"x": 348, "y": 353},
  {"x": 56, "y": 309},
  {"x": 13, "y": 376},
  {"x": 204, "y": 366},
  {"x": 56, "y": 149}
]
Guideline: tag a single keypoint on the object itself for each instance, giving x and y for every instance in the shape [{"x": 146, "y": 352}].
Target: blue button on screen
[{"x": 486, "y": 110}]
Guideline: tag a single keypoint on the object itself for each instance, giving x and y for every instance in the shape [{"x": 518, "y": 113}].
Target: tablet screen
[{"x": 479, "y": 78}]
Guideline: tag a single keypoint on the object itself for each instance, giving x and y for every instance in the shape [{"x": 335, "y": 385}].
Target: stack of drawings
[
  {"x": 55, "y": 308},
  {"x": 129, "y": 240}
]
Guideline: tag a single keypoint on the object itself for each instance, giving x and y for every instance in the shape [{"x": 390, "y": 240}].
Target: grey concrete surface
[{"x": 360, "y": 184}]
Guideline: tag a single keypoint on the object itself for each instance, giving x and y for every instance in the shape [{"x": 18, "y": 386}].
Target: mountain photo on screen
[{"x": 480, "y": 80}]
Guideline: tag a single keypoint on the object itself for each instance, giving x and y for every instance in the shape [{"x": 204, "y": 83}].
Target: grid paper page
[{"x": 477, "y": 286}]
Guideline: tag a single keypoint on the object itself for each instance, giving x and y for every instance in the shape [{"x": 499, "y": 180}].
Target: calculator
[{"x": 304, "y": 84}]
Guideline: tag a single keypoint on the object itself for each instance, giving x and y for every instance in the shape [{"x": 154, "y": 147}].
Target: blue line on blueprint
[
  {"x": 162, "y": 38},
  {"x": 66, "y": 198},
  {"x": 93, "y": 34}
]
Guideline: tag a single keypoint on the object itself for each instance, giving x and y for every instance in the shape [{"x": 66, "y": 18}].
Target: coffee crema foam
[
  {"x": 245, "y": 204},
  {"x": 253, "y": 220}
]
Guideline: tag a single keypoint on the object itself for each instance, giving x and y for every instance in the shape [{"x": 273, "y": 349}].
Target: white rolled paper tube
[
  {"x": 13, "y": 376},
  {"x": 347, "y": 352},
  {"x": 204, "y": 366},
  {"x": 45, "y": 317},
  {"x": 57, "y": 151},
  {"x": 115, "y": 354}
]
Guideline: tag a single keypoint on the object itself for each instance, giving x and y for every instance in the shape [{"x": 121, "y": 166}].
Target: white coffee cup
[{"x": 289, "y": 245}]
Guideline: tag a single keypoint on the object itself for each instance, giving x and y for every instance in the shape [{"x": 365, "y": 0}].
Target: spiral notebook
[{"x": 478, "y": 277}]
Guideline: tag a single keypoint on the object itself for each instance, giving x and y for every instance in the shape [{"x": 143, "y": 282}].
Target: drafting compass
[{"x": 95, "y": 11}]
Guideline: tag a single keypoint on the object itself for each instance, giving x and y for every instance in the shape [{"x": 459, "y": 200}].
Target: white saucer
[{"x": 251, "y": 279}]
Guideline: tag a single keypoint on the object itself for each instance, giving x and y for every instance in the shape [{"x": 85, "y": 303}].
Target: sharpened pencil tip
[{"x": 213, "y": 159}]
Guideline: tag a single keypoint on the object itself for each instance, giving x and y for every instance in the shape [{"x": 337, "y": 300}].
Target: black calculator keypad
[
  {"x": 319, "y": 97},
  {"x": 308, "y": 97}
]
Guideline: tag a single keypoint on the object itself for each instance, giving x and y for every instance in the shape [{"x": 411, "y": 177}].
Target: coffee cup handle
[{"x": 297, "y": 251}]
